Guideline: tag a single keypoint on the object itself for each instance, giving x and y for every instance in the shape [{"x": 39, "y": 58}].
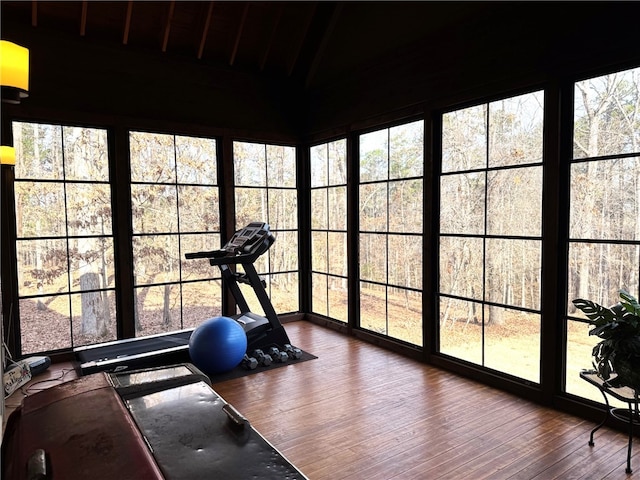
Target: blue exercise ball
[{"x": 217, "y": 345}]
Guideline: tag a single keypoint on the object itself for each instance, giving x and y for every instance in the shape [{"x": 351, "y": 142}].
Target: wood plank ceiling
[{"x": 311, "y": 42}]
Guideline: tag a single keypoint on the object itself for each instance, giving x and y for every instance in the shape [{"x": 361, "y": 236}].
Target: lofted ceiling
[{"x": 308, "y": 43}]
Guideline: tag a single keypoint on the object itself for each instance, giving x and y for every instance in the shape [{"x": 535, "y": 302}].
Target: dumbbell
[
  {"x": 277, "y": 355},
  {"x": 263, "y": 359},
  {"x": 294, "y": 353},
  {"x": 248, "y": 362}
]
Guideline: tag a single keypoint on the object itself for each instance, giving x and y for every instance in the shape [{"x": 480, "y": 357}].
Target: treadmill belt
[{"x": 134, "y": 347}]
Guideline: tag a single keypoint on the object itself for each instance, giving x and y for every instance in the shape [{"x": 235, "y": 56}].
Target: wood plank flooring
[{"x": 361, "y": 412}]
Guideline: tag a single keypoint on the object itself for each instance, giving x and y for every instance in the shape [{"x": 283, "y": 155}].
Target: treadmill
[{"x": 244, "y": 248}]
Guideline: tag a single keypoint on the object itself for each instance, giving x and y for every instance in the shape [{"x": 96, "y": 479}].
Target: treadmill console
[
  {"x": 248, "y": 239},
  {"x": 246, "y": 244}
]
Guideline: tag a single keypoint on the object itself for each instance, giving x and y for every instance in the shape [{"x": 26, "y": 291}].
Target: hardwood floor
[{"x": 361, "y": 412}]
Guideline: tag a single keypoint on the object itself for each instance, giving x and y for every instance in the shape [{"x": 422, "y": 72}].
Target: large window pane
[
  {"x": 515, "y": 131},
  {"x": 513, "y": 272},
  {"x": 152, "y": 158},
  {"x": 64, "y": 245},
  {"x": 373, "y": 207},
  {"x": 373, "y": 307},
  {"x": 461, "y": 329},
  {"x": 401, "y": 272},
  {"x": 199, "y": 208},
  {"x": 615, "y": 201},
  {"x": 251, "y": 205},
  {"x": 42, "y": 267},
  {"x": 329, "y": 230},
  {"x": 373, "y": 258},
  {"x": 391, "y": 199},
  {"x": 266, "y": 191},
  {"x": 40, "y": 208},
  {"x": 337, "y": 253},
  {"x": 154, "y": 208},
  {"x": 513, "y": 346},
  {"x": 490, "y": 235},
  {"x": 597, "y": 271},
  {"x": 283, "y": 209},
  {"x": 198, "y": 270},
  {"x": 514, "y": 203},
  {"x": 85, "y": 154},
  {"x": 405, "y": 198},
  {"x": 374, "y": 156},
  {"x": 88, "y": 209},
  {"x": 196, "y": 161},
  {"x": 464, "y": 139},
  {"x": 461, "y": 266},
  {"x": 250, "y": 164},
  {"x": 319, "y": 209},
  {"x": 604, "y": 214},
  {"x": 462, "y": 207},
  {"x": 606, "y": 115},
  {"x": 405, "y": 151},
  {"x": 39, "y": 152},
  {"x": 337, "y": 208},
  {"x": 175, "y": 210},
  {"x": 319, "y": 252}
]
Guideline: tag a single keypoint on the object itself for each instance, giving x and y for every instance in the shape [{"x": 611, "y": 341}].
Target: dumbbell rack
[{"x": 273, "y": 354}]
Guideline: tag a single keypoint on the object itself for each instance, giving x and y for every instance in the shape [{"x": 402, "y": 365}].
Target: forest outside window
[
  {"x": 175, "y": 209},
  {"x": 64, "y": 243},
  {"x": 390, "y": 236},
  {"x": 265, "y": 188},
  {"x": 604, "y": 213},
  {"x": 490, "y": 235},
  {"x": 329, "y": 230}
]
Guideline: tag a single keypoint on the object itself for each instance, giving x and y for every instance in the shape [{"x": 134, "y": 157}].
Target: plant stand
[{"x": 630, "y": 415}]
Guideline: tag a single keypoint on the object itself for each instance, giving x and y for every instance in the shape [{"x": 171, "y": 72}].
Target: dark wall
[
  {"x": 493, "y": 48},
  {"x": 70, "y": 75},
  {"x": 489, "y": 47}
]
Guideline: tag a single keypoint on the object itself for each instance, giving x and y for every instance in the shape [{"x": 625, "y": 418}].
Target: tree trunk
[
  {"x": 166, "y": 310},
  {"x": 93, "y": 321},
  {"x": 495, "y": 316}
]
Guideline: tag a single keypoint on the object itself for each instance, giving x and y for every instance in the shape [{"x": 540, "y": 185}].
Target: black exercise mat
[{"x": 240, "y": 371}]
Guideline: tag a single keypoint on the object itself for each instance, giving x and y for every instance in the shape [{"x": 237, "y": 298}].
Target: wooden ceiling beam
[
  {"x": 294, "y": 60},
  {"x": 83, "y": 19},
  {"x": 167, "y": 27},
  {"x": 323, "y": 44},
  {"x": 274, "y": 29},
  {"x": 239, "y": 35},
  {"x": 205, "y": 31},
  {"x": 127, "y": 23},
  {"x": 34, "y": 13}
]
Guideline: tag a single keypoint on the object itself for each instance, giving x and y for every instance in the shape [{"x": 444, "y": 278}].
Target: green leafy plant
[{"x": 617, "y": 355}]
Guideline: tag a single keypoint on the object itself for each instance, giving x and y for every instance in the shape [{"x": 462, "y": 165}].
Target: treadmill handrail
[{"x": 209, "y": 254}]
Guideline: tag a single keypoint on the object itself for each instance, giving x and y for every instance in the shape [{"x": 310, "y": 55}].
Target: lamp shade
[
  {"x": 7, "y": 155},
  {"x": 14, "y": 71}
]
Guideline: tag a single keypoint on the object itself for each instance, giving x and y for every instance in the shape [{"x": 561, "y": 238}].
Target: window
[
  {"x": 329, "y": 230},
  {"x": 175, "y": 210},
  {"x": 64, "y": 242},
  {"x": 604, "y": 213},
  {"x": 390, "y": 232},
  {"x": 266, "y": 191},
  {"x": 491, "y": 235}
]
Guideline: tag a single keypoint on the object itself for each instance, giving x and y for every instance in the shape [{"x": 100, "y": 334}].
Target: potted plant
[{"x": 617, "y": 355}]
